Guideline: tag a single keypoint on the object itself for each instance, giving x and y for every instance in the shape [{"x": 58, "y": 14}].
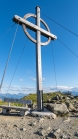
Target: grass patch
[
  {"x": 46, "y": 96},
  {"x": 11, "y": 104},
  {"x": 3, "y": 103}
]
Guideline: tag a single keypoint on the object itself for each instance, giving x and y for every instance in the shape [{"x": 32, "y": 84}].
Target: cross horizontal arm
[{"x": 30, "y": 25}]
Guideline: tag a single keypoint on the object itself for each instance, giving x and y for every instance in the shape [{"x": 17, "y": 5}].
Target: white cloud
[
  {"x": 27, "y": 90},
  {"x": 61, "y": 88},
  {"x": 14, "y": 86},
  {"x": 18, "y": 89}
]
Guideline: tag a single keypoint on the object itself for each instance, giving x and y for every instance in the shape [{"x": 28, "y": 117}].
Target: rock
[
  {"x": 27, "y": 112},
  {"x": 67, "y": 120},
  {"x": 58, "y": 108},
  {"x": 57, "y": 131},
  {"x": 34, "y": 124},
  {"x": 34, "y": 106},
  {"x": 22, "y": 112},
  {"x": 58, "y": 97},
  {"x": 53, "y": 116},
  {"x": 67, "y": 98},
  {"x": 41, "y": 120},
  {"x": 55, "y": 98},
  {"x": 15, "y": 125},
  {"x": 49, "y": 128},
  {"x": 76, "y": 134},
  {"x": 70, "y": 106},
  {"x": 49, "y": 100},
  {"x": 44, "y": 132},
  {"x": 55, "y": 134},
  {"x": 23, "y": 129},
  {"x": 64, "y": 136},
  {"x": 71, "y": 96}
]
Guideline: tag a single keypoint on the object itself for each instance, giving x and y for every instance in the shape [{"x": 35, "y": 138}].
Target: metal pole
[{"x": 38, "y": 65}]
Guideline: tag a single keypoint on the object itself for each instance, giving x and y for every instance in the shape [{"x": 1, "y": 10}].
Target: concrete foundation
[{"x": 43, "y": 113}]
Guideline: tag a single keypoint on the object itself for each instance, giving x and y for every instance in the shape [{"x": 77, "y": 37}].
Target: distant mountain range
[
  {"x": 75, "y": 93},
  {"x": 21, "y": 95},
  {"x": 8, "y": 95},
  {"x": 71, "y": 93}
]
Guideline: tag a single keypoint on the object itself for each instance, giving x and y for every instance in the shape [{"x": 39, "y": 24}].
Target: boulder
[
  {"x": 49, "y": 100},
  {"x": 34, "y": 106},
  {"x": 70, "y": 106},
  {"x": 55, "y": 98},
  {"x": 57, "y": 108},
  {"x": 44, "y": 132}
]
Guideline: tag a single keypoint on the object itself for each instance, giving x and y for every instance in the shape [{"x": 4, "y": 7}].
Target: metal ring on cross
[{"x": 26, "y": 32}]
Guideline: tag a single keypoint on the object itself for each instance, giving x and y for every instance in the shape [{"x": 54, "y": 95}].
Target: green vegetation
[
  {"x": 46, "y": 96},
  {"x": 32, "y": 97},
  {"x": 12, "y": 104},
  {"x": 3, "y": 103}
]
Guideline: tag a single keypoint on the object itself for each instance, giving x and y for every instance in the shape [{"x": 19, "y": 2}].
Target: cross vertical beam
[{"x": 38, "y": 65}]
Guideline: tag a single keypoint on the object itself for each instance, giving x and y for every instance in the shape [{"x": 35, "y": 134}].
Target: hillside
[{"x": 46, "y": 96}]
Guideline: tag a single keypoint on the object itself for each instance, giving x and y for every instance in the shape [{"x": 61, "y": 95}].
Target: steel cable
[
  {"x": 7, "y": 31},
  {"x": 8, "y": 58},
  {"x": 68, "y": 48},
  {"x": 17, "y": 65},
  {"x": 60, "y": 25}
]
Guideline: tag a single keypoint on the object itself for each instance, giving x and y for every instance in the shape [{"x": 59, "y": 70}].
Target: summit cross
[{"x": 26, "y": 24}]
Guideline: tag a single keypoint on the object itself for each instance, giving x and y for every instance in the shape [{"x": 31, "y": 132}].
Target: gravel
[{"x": 29, "y": 127}]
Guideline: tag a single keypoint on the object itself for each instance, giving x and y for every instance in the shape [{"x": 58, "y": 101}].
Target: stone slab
[{"x": 46, "y": 112}]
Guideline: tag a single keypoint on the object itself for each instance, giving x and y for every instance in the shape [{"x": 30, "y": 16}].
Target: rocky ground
[
  {"x": 64, "y": 126},
  {"x": 29, "y": 127}
]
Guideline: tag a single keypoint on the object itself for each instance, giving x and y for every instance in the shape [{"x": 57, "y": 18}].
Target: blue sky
[{"x": 65, "y": 12}]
